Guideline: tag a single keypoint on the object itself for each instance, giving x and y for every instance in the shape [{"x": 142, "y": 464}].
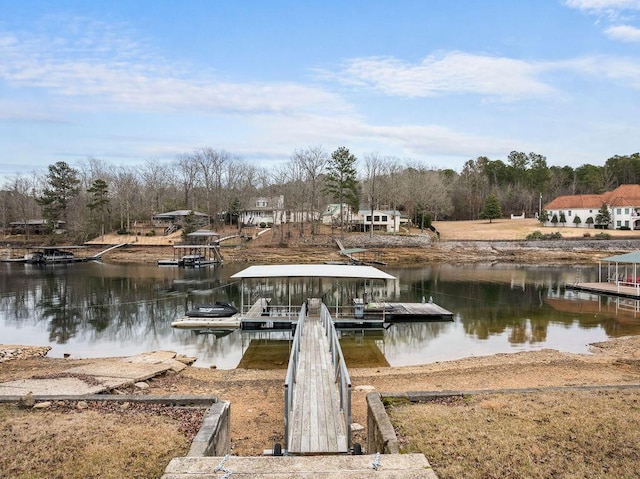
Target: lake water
[{"x": 97, "y": 309}]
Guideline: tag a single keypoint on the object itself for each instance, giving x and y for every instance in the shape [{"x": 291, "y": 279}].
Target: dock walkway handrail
[
  {"x": 292, "y": 369},
  {"x": 340, "y": 368}
]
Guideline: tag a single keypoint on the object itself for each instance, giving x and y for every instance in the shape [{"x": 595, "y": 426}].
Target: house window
[
  {"x": 590, "y": 211},
  {"x": 626, "y": 211},
  {"x": 618, "y": 223},
  {"x": 376, "y": 218},
  {"x": 619, "y": 212},
  {"x": 261, "y": 203},
  {"x": 569, "y": 213},
  {"x": 369, "y": 218},
  {"x": 626, "y": 223},
  {"x": 384, "y": 218}
]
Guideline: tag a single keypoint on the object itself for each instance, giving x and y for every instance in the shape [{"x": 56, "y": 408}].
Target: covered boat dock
[{"x": 618, "y": 276}]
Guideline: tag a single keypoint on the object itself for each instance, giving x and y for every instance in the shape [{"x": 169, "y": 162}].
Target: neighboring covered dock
[{"x": 618, "y": 276}]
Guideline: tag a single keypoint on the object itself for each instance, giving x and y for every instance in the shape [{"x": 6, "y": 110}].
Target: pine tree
[
  {"x": 341, "y": 182},
  {"x": 491, "y": 209},
  {"x": 99, "y": 192},
  {"x": 62, "y": 186},
  {"x": 603, "y": 218}
]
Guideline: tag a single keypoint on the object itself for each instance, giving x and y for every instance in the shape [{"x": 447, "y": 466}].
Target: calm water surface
[{"x": 96, "y": 309}]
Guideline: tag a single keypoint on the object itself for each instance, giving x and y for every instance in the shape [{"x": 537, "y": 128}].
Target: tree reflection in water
[{"x": 100, "y": 309}]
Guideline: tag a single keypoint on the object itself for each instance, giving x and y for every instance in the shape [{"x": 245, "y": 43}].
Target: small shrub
[
  {"x": 537, "y": 235},
  {"x": 586, "y": 235},
  {"x": 626, "y": 228},
  {"x": 603, "y": 236},
  {"x": 263, "y": 224}
]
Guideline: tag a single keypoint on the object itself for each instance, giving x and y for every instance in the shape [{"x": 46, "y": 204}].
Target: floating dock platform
[{"x": 397, "y": 312}]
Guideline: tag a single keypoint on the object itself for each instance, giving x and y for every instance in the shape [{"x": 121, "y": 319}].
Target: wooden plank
[
  {"x": 316, "y": 425},
  {"x": 405, "y": 466}
]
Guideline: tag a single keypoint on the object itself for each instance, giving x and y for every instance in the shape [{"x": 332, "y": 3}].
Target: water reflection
[{"x": 94, "y": 309}]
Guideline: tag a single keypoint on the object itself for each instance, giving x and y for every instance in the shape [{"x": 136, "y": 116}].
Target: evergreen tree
[
  {"x": 603, "y": 217},
  {"x": 62, "y": 186},
  {"x": 491, "y": 209},
  {"x": 341, "y": 182},
  {"x": 544, "y": 217},
  {"x": 563, "y": 218},
  {"x": 99, "y": 192},
  {"x": 577, "y": 221}
]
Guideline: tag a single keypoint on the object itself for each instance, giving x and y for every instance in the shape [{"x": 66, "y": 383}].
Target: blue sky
[{"x": 434, "y": 81}]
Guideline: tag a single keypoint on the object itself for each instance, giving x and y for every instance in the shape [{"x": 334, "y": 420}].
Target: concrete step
[{"x": 391, "y": 466}]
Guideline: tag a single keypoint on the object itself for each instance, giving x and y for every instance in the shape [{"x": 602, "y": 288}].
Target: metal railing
[
  {"x": 292, "y": 369},
  {"x": 340, "y": 369}
]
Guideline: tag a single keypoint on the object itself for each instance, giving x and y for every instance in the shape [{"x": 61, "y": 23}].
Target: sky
[{"x": 434, "y": 82}]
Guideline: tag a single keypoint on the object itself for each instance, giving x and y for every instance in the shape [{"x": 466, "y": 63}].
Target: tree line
[{"x": 96, "y": 196}]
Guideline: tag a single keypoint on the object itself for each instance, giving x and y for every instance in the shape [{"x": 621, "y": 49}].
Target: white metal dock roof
[{"x": 313, "y": 271}]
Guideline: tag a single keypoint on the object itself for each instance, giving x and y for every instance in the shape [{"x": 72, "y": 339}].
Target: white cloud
[
  {"x": 450, "y": 73},
  {"x": 121, "y": 74},
  {"x": 621, "y": 12},
  {"x": 617, "y": 69},
  {"x": 603, "y": 6},
  {"x": 422, "y": 142},
  {"x": 625, "y": 33}
]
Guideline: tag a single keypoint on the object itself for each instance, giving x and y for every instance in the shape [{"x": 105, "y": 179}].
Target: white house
[
  {"x": 381, "y": 220},
  {"x": 264, "y": 211},
  {"x": 623, "y": 205}
]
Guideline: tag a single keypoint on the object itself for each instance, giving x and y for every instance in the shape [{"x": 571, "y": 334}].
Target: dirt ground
[{"x": 257, "y": 396}]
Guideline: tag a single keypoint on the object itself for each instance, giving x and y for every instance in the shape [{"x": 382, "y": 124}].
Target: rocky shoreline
[{"x": 10, "y": 352}]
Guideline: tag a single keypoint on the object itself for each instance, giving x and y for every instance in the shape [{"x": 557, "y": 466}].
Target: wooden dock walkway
[
  {"x": 316, "y": 424},
  {"x": 612, "y": 289}
]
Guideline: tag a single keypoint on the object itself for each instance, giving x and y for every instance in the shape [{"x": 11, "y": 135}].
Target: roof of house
[
  {"x": 271, "y": 203},
  {"x": 577, "y": 202},
  {"x": 367, "y": 211},
  {"x": 623, "y": 195},
  {"x": 173, "y": 214}
]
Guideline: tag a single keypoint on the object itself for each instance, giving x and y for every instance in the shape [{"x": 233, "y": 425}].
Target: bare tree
[
  {"x": 311, "y": 163},
  {"x": 374, "y": 167},
  {"x": 187, "y": 172},
  {"x": 212, "y": 167},
  {"x": 154, "y": 184},
  {"x": 126, "y": 189}
]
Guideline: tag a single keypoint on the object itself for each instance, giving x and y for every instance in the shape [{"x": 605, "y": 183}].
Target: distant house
[
  {"x": 264, "y": 211},
  {"x": 331, "y": 214},
  {"x": 34, "y": 227},
  {"x": 623, "y": 205},
  {"x": 381, "y": 220},
  {"x": 169, "y": 222}
]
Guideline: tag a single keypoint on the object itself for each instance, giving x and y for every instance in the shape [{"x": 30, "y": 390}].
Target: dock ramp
[{"x": 317, "y": 389}]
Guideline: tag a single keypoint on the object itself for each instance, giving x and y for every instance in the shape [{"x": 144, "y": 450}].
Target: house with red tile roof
[{"x": 623, "y": 205}]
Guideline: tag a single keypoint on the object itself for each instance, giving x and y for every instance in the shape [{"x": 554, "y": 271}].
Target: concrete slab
[
  {"x": 122, "y": 369},
  {"x": 100, "y": 376},
  {"x": 401, "y": 466},
  {"x": 152, "y": 357},
  {"x": 49, "y": 387}
]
